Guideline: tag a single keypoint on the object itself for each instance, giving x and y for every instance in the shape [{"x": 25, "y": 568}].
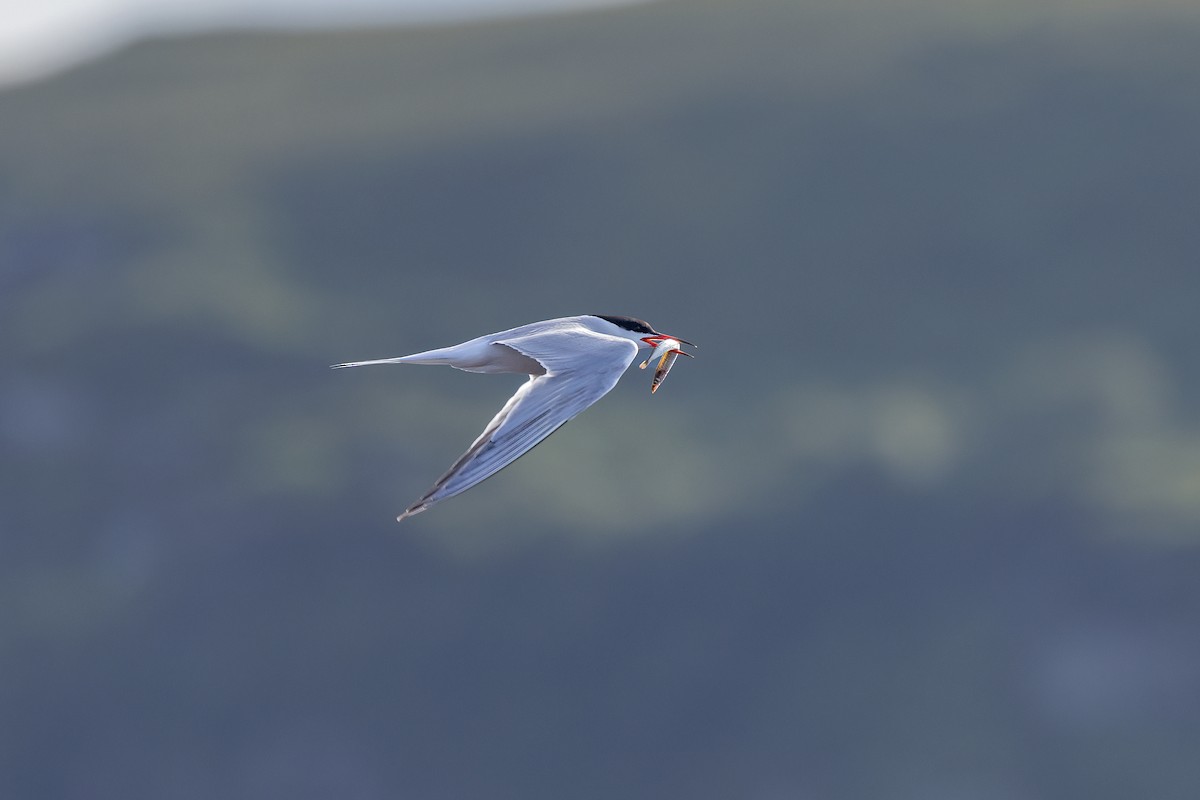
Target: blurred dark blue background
[{"x": 921, "y": 521}]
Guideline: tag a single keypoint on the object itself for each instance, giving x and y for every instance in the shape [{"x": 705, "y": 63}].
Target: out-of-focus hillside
[{"x": 924, "y": 510}]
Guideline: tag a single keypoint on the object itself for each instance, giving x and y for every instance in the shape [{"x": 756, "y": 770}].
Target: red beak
[{"x": 658, "y": 337}]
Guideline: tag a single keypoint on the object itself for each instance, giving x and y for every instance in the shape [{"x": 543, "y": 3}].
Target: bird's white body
[
  {"x": 572, "y": 362},
  {"x": 483, "y": 355}
]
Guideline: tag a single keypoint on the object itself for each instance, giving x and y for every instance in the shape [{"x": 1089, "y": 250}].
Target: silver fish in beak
[{"x": 667, "y": 351}]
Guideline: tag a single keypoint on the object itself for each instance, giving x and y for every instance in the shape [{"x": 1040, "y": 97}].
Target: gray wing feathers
[{"x": 541, "y": 406}]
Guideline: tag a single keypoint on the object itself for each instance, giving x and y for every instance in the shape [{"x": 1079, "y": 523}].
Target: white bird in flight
[{"x": 571, "y": 362}]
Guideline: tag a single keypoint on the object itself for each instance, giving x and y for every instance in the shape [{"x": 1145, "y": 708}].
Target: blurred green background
[{"x": 921, "y": 521}]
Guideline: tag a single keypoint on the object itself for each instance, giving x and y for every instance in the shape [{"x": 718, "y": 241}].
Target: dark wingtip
[{"x": 411, "y": 511}]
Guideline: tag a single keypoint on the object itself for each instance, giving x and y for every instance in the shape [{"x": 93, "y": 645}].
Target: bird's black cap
[{"x": 628, "y": 323}]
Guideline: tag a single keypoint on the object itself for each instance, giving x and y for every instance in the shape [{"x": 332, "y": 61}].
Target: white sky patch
[{"x": 43, "y": 37}]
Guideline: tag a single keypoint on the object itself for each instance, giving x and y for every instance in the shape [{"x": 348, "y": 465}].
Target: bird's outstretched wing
[{"x": 581, "y": 367}]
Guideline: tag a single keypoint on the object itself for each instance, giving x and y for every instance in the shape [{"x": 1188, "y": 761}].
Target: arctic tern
[{"x": 572, "y": 362}]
